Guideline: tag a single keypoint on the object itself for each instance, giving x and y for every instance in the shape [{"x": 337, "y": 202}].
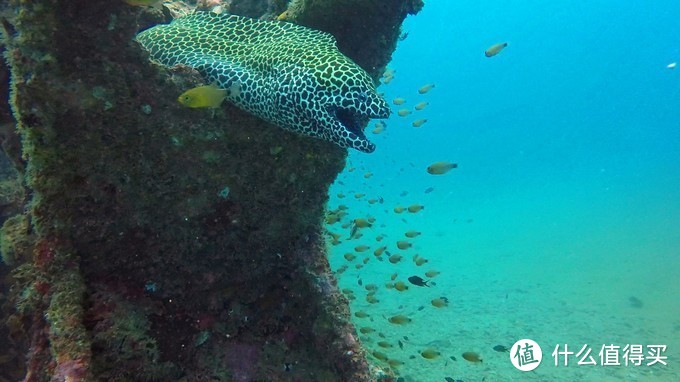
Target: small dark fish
[
  {"x": 449, "y": 379},
  {"x": 453, "y": 358},
  {"x": 381, "y": 200},
  {"x": 406, "y": 338},
  {"x": 501, "y": 349},
  {"x": 421, "y": 307},
  {"x": 360, "y": 282},
  {"x": 415, "y": 280},
  {"x": 635, "y": 302},
  {"x": 429, "y": 189},
  {"x": 401, "y": 344}
]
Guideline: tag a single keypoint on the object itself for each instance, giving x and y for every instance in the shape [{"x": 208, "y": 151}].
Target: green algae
[{"x": 15, "y": 240}]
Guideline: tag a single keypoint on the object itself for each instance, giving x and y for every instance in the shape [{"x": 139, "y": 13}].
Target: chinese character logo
[{"x": 526, "y": 355}]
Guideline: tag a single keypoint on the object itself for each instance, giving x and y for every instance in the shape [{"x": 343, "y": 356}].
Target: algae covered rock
[
  {"x": 16, "y": 240},
  {"x": 136, "y": 260}
]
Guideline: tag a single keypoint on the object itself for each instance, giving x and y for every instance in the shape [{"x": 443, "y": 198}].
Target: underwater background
[
  {"x": 527, "y": 191},
  {"x": 560, "y": 224}
]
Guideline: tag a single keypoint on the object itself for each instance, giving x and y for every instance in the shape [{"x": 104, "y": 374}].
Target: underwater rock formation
[{"x": 160, "y": 242}]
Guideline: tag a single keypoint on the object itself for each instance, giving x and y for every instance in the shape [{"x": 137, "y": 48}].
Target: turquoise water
[{"x": 561, "y": 223}]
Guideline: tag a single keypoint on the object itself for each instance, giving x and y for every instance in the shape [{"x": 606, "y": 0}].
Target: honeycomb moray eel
[{"x": 292, "y": 76}]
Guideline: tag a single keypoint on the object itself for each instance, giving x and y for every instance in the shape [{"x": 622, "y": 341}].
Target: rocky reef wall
[{"x": 160, "y": 242}]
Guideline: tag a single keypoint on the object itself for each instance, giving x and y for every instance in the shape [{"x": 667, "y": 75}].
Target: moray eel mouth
[
  {"x": 353, "y": 121},
  {"x": 350, "y": 121}
]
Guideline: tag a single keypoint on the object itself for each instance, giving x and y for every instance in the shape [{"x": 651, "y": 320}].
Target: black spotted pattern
[{"x": 292, "y": 76}]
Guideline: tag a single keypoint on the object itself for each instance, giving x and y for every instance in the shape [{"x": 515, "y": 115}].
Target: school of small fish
[
  {"x": 365, "y": 245},
  {"x": 363, "y": 242}
]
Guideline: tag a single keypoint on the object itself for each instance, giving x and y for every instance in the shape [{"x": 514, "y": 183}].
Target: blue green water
[{"x": 566, "y": 201}]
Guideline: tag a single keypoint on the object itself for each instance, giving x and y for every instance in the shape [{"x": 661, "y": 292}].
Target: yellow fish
[
  {"x": 495, "y": 49},
  {"x": 415, "y": 208},
  {"x": 440, "y": 302},
  {"x": 432, "y": 273},
  {"x": 425, "y": 88},
  {"x": 404, "y": 112},
  {"x": 203, "y": 96},
  {"x": 362, "y": 223},
  {"x": 399, "y": 319},
  {"x": 419, "y": 260},
  {"x": 394, "y": 362},
  {"x": 421, "y": 105},
  {"x": 419, "y": 122},
  {"x": 430, "y": 353},
  {"x": 472, "y": 357},
  {"x": 399, "y": 101},
  {"x": 379, "y": 127},
  {"x": 403, "y": 244},
  {"x": 380, "y": 356},
  {"x": 439, "y": 168},
  {"x": 282, "y": 16}
]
